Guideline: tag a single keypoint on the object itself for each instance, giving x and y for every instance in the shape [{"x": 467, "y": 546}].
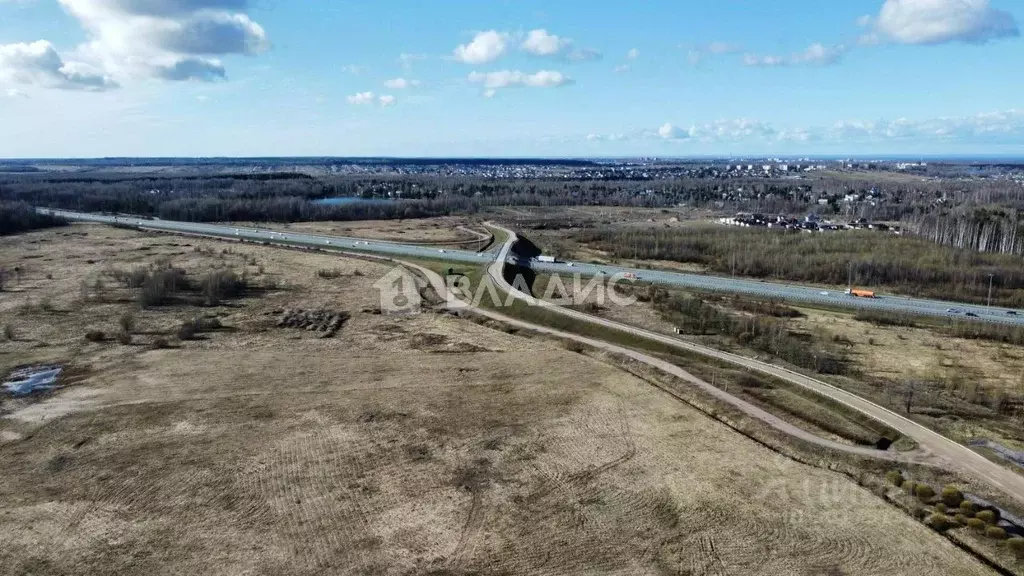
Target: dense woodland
[
  {"x": 18, "y": 217},
  {"x": 970, "y": 213},
  {"x": 908, "y": 265}
]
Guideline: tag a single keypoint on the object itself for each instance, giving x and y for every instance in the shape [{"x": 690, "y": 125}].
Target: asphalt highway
[{"x": 789, "y": 292}]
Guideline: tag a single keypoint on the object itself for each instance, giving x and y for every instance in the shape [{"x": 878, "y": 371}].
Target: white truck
[{"x": 547, "y": 259}]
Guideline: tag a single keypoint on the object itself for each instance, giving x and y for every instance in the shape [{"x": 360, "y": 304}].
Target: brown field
[
  {"x": 420, "y": 444},
  {"x": 440, "y": 230}
]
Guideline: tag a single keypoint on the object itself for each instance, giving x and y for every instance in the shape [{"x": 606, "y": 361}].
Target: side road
[{"x": 934, "y": 448}]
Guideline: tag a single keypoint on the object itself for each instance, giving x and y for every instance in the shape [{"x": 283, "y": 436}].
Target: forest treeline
[
  {"x": 985, "y": 229},
  {"x": 955, "y": 212},
  {"x": 18, "y": 217},
  {"x": 907, "y": 265}
]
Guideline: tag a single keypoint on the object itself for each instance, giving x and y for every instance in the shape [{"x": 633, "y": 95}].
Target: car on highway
[
  {"x": 971, "y": 314},
  {"x": 441, "y": 250},
  {"x": 823, "y": 293},
  {"x": 954, "y": 310},
  {"x": 1011, "y": 312}
]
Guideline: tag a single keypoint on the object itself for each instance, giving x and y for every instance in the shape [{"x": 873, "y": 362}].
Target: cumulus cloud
[
  {"x": 199, "y": 69},
  {"x": 815, "y": 55},
  {"x": 386, "y": 100},
  {"x": 401, "y": 83},
  {"x": 670, "y": 132},
  {"x": 633, "y": 54},
  {"x": 361, "y": 98},
  {"x": 485, "y": 47},
  {"x": 540, "y": 42},
  {"x": 511, "y": 78},
  {"x": 15, "y": 93},
  {"x": 169, "y": 39},
  {"x": 622, "y": 68},
  {"x": 39, "y": 63},
  {"x": 939, "y": 21}
]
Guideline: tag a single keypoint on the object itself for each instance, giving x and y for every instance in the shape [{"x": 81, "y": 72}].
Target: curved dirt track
[{"x": 934, "y": 448}]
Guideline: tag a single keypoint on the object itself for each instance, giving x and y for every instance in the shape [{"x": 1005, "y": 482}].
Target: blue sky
[{"x": 89, "y": 78}]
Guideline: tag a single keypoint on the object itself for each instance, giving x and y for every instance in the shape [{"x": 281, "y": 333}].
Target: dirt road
[{"x": 934, "y": 448}]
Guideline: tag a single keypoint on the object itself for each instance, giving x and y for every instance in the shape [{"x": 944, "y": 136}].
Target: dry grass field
[
  {"x": 421, "y": 444},
  {"x": 440, "y": 230}
]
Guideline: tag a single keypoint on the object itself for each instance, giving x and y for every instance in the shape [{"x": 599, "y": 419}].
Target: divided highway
[{"x": 790, "y": 292}]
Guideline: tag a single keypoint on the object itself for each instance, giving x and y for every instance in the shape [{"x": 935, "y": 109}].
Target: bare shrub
[
  {"x": 161, "y": 343},
  {"x": 329, "y": 273},
  {"x": 221, "y": 284},
  {"x": 124, "y": 338},
  {"x": 187, "y": 331},
  {"x": 9, "y": 333},
  {"x": 127, "y": 322},
  {"x": 95, "y": 336},
  {"x": 161, "y": 286}
]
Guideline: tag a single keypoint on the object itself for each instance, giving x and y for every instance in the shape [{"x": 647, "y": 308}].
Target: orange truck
[{"x": 860, "y": 293}]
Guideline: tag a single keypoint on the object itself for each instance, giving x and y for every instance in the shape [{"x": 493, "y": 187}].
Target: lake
[{"x": 342, "y": 200}]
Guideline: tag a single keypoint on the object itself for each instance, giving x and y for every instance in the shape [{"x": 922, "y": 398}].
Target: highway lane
[
  {"x": 790, "y": 292},
  {"x": 279, "y": 237}
]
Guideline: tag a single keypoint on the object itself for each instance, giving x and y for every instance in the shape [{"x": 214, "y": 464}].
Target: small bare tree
[{"x": 909, "y": 390}]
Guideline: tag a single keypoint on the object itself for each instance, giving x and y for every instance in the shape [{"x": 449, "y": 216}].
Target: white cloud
[
  {"x": 815, "y": 55},
  {"x": 633, "y": 54},
  {"x": 723, "y": 48},
  {"x": 697, "y": 54},
  {"x": 406, "y": 59},
  {"x": 386, "y": 100},
  {"x": 670, "y": 132},
  {"x": 354, "y": 69},
  {"x": 15, "y": 93},
  {"x": 992, "y": 128},
  {"x": 622, "y": 68},
  {"x": 361, "y": 98},
  {"x": 540, "y": 43},
  {"x": 939, "y": 21},
  {"x": 169, "y": 39},
  {"x": 401, "y": 83},
  {"x": 510, "y": 78},
  {"x": 490, "y": 93},
  {"x": 39, "y": 63},
  {"x": 485, "y": 47},
  {"x": 605, "y": 137},
  {"x": 201, "y": 69}
]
